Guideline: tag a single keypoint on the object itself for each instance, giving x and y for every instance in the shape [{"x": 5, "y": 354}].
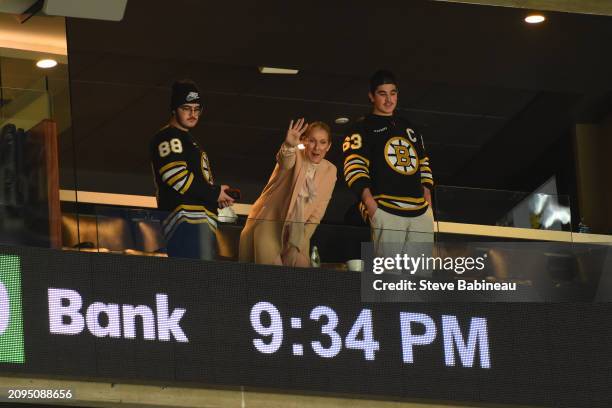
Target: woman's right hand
[{"x": 295, "y": 132}]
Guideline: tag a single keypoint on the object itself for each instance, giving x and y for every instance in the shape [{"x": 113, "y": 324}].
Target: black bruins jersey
[
  {"x": 387, "y": 155},
  {"x": 183, "y": 180}
]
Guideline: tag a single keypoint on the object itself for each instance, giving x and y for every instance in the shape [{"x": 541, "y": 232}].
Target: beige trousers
[
  {"x": 387, "y": 228},
  {"x": 260, "y": 242}
]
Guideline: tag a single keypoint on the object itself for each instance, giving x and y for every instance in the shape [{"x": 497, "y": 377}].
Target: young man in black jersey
[
  {"x": 184, "y": 180},
  {"x": 387, "y": 167}
]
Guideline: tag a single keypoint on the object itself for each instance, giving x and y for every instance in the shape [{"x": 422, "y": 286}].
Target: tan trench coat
[{"x": 263, "y": 239}]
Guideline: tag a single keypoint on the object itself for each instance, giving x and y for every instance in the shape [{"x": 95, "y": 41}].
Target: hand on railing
[{"x": 224, "y": 199}]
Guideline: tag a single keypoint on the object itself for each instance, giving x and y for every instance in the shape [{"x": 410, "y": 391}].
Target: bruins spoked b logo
[
  {"x": 206, "y": 168},
  {"x": 401, "y": 155}
]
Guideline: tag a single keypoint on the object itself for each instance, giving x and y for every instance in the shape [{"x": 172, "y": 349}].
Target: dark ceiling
[{"x": 492, "y": 94}]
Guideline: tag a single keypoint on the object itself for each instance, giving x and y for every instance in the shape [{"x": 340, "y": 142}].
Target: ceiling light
[
  {"x": 535, "y": 18},
  {"x": 281, "y": 71},
  {"x": 46, "y": 63},
  {"x": 341, "y": 120}
]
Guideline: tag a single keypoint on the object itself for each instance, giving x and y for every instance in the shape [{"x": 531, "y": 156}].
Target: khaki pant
[{"x": 387, "y": 228}]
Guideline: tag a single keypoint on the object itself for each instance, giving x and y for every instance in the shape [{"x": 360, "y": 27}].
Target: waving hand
[{"x": 295, "y": 131}]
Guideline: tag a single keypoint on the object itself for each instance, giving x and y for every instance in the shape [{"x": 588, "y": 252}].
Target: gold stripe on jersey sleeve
[
  {"x": 177, "y": 177},
  {"x": 187, "y": 184},
  {"x": 355, "y": 160},
  {"x": 355, "y": 166},
  {"x": 171, "y": 165},
  {"x": 356, "y": 156},
  {"x": 355, "y": 178}
]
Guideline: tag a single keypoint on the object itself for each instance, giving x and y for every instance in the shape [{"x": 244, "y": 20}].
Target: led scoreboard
[
  {"x": 361, "y": 335},
  {"x": 147, "y": 320}
]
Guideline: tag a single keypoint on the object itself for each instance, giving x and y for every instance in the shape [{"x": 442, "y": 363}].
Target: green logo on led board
[{"x": 11, "y": 316}]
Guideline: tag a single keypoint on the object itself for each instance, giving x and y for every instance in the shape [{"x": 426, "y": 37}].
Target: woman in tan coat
[{"x": 290, "y": 207}]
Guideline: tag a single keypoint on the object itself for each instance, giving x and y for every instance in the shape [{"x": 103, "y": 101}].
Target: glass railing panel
[
  {"x": 120, "y": 230},
  {"x": 541, "y": 271},
  {"x": 29, "y": 187},
  {"x": 30, "y": 223},
  {"x": 536, "y": 210},
  {"x": 36, "y": 98},
  {"x": 144, "y": 232}
]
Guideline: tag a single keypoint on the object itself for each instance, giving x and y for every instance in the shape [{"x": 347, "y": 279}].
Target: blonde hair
[{"x": 318, "y": 124}]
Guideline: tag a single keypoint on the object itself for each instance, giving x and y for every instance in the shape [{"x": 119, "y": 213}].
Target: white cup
[{"x": 355, "y": 265}]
